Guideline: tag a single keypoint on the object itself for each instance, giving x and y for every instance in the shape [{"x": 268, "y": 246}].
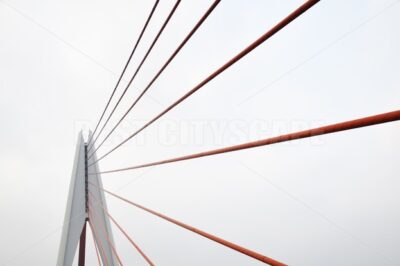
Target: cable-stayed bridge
[{"x": 86, "y": 202}]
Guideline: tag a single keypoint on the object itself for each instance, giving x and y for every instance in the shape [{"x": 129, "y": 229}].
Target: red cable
[
  {"x": 97, "y": 240},
  {"x": 138, "y": 68},
  {"x": 108, "y": 239},
  {"x": 95, "y": 247},
  {"x": 191, "y": 33},
  {"x": 307, "y": 5},
  {"x": 126, "y": 66},
  {"x": 221, "y": 241},
  {"x": 124, "y": 232},
  {"x": 357, "y": 123}
]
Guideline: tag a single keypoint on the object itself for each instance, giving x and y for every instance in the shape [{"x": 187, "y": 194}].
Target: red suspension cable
[
  {"x": 357, "y": 123},
  {"x": 138, "y": 68},
  {"x": 104, "y": 230},
  {"x": 221, "y": 241},
  {"x": 307, "y": 5},
  {"x": 98, "y": 241},
  {"x": 177, "y": 50},
  {"x": 126, "y": 66},
  {"x": 124, "y": 232},
  {"x": 95, "y": 247}
]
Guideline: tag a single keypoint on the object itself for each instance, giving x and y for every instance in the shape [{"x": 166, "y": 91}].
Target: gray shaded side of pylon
[
  {"x": 75, "y": 213},
  {"x": 99, "y": 217}
]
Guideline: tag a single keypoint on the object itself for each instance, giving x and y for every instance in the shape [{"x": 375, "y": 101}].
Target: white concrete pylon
[
  {"x": 100, "y": 219},
  {"x": 76, "y": 212}
]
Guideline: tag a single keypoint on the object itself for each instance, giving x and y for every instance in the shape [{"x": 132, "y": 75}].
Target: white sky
[{"x": 332, "y": 200}]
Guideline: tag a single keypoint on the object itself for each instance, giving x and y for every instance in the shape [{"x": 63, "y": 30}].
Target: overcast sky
[{"x": 331, "y": 200}]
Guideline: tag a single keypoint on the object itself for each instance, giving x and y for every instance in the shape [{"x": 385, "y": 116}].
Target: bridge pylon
[{"x": 85, "y": 204}]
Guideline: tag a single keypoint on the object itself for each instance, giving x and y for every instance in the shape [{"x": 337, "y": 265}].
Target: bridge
[{"x": 87, "y": 206}]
